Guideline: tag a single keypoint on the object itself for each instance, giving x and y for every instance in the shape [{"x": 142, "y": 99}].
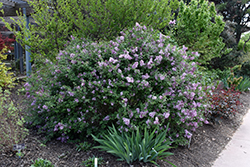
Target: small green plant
[
  {"x": 91, "y": 161},
  {"x": 20, "y": 154},
  {"x": 42, "y": 145},
  {"x": 130, "y": 147},
  {"x": 83, "y": 146},
  {"x": 42, "y": 163},
  {"x": 244, "y": 85}
]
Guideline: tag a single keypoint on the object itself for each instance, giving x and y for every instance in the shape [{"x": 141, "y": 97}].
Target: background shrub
[
  {"x": 57, "y": 20},
  {"x": 137, "y": 80}
]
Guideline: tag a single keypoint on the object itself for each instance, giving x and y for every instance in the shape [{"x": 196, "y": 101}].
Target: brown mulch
[{"x": 206, "y": 144}]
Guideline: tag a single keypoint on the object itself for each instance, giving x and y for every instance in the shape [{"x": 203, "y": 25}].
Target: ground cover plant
[
  {"x": 12, "y": 129},
  {"x": 225, "y": 103},
  {"x": 137, "y": 80},
  {"x": 42, "y": 163}
]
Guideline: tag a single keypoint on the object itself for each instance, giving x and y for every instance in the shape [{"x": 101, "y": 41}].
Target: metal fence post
[{"x": 27, "y": 53}]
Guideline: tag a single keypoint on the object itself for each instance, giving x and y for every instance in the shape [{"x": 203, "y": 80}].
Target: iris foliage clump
[{"x": 137, "y": 80}]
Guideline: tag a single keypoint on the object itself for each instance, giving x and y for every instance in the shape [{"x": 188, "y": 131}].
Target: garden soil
[{"x": 206, "y": 144}]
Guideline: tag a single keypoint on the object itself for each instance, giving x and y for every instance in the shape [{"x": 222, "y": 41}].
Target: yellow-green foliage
[
  {"x": 244, "y": 42},
  {"x": 12, "y": 130},
  {"x": 6, "y": 78},
  {"x": 199, "y": 28},
  {"x": 234, "y": 81}
]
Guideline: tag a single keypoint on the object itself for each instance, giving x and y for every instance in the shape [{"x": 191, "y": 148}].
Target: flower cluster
[{"x": 134, "y": 81}]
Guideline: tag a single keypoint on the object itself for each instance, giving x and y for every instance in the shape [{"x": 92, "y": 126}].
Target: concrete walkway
[{"x": 237, "y": 151}]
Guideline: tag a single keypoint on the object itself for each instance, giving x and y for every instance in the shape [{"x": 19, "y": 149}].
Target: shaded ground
[{"x": 206, "y": 144}]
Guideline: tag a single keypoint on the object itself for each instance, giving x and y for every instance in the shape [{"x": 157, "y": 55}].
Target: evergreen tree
[{"x": 236, "y": 11}]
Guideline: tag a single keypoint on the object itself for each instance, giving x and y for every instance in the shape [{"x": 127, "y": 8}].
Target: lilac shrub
[{"x": 137, "y": 80}]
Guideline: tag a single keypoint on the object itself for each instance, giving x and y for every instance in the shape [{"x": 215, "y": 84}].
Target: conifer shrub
[
  {"x": 199, "y": 27},
  {"x": 136, "y": 80}
]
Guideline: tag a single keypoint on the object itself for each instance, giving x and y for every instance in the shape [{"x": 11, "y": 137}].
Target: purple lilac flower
[
  {"x": 119, "y": 70},
  {"x": 135, "y": 65},
  {"x": 146, "y": 76},
  {"x": 161, "y": 52},
  {"x": 76, "y": 100},
  {"x": 148, "y": 122},
  {"x": 126, "y": 121},
  {"x": 187, "y": 134},
  {"x": 45, "y": 107},
  {"x": 143, "y": 114},
  {"x": 130, "y": 79},
  {"x": 161, "y": 45},
  {"x": 158, "y": 58},
  {"x": 166, "y": 115},
  {"x": 162, "y": 77},
  {"x": 112, "y": 60},
  {"x": 106, "y": 118},
  {"x": 172, "y": 22},
  {"x": 142, "y": 63},
  {"x": 206, "y": 122},
  {"x": 131, "y": 114},
  {"x": 128, "y": 57},
  {"x": 71, "y": 93},
  {"x": 26, "y": 84},
  {"x": 156, "y": 122},
  {"x": 152, "y": 114},
  {"x": 125, "y": 100},
  {"x": 73, "y": 61}
]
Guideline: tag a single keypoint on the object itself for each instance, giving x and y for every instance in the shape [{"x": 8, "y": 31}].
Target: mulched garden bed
[{"x": 206, "y": 144}]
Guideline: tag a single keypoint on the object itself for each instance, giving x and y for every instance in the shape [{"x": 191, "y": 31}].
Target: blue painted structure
[
  {"x": 27, "y": 53},
  {"x": 18, "y": 50}
]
